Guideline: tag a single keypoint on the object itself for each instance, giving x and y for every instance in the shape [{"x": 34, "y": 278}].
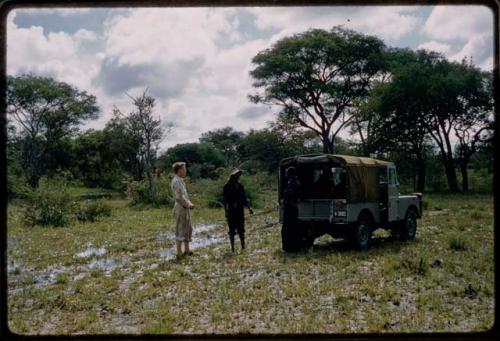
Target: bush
[
  {"x": 252, "y": 166},
  {"x": 209, "y": 192},
  {"x": 17, "y": 187},
  {"x": 92, "y": 210},
  {"x": 49, "y": 204},
  {"x": 457, "y": 243},
  {"x": 480, "y": 180},
  {"x": 139, "y": 192}
]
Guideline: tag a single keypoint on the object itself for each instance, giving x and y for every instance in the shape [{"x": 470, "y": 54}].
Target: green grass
[{"x": 426, "y": 285}]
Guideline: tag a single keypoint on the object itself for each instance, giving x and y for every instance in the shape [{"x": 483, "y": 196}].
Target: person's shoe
[
  {"x": 189, "y": 253},
  {"x": 231, "y": 240}
]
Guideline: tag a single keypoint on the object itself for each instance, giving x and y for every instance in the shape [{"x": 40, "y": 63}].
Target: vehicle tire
[
  {"x": 308, "y": 239},
  {"x": 408, "y": 227},
  {"x": 362, "y": 233},
  {"x": 290, "y": 239}
]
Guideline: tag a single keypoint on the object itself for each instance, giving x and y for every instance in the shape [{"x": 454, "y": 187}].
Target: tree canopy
[
  {"x": 46, "y": 111},
  {"x": 317, "y": 76}
]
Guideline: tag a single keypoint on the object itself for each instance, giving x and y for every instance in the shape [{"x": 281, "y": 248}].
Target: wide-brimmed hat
[{"x": 235, "y": 172}]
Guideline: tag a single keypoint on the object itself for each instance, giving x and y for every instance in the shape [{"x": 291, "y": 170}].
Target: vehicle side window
[
  {"x": 393, "y": 180},
  {"x": 383, "y": 176}
]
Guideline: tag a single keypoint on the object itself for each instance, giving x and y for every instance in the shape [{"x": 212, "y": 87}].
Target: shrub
[
  {"x": 417, "y": 265},
  {"x": 139, "y": 192},
  {"x": 209, "y": 192},
  {"x": 92, "y": 210},
  {"x": 49, "y": 204},
  {"x": 17, "y": 187},
  {"x": 457, "y": 243},
  {"x": 252, "y": 166}
]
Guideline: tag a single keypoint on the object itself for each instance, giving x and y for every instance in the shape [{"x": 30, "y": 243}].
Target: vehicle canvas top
[{"x": 363, "y": 173}]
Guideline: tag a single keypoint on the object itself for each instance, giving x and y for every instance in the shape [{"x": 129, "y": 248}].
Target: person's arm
[
  {"x": 245, "y": 199},
  {"x": 180, "y": 197},
  {"x": 225, "y": 201}
]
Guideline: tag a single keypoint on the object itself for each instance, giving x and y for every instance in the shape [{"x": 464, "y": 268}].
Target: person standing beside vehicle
[
  {"x": 290, "y": 234},
  {"x": 235, "y": 199},
  {"x": 183, "y": 227}
]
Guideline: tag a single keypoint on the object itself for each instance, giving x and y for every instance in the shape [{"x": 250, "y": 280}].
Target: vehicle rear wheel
[
  {"x": 290, "y": 238},
  {"x": 308, "y": 239},
  {"x": 362, "y": 233},
  {"x": 409, "y": 225}
]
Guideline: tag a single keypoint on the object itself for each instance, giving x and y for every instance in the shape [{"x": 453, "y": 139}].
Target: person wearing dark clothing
[
  {"x": 290, "y": 233},
  {"x": 340, "y": 190},
  {"x": 235, "y": 200}
]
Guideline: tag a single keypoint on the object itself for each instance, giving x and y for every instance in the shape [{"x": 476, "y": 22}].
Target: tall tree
[
  {"x": 227, "y": 140},
  {"x": 141, "y": 125},
  {"x": 475, "y": 120},
  {"x": 316, "y": 77},
  {"x": 428, "y": 92},
  {"x": 203, "y": 158},
  {"x": 45, "y": 111},
  {"x": 394, "y": 124}
]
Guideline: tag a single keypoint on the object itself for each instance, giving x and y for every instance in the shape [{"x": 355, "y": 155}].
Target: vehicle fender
[{"x": 366, "y": 212}]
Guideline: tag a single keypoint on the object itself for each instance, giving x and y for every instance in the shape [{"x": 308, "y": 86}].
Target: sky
[{"x": 196, "y": 61}]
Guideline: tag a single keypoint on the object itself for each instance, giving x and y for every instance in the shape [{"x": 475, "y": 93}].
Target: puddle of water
[
  {"x": 103, "y": 264},
  {"x": 197, "y": 229},
  {"x": 196, "y": 243},
  {"x": 12, "y": 265},
  {"x": 204, "y": 228},
  {"x": 98, "y": 251},
  {"x": 167, "y": 253},
  {"x": 48, "y": 276}
]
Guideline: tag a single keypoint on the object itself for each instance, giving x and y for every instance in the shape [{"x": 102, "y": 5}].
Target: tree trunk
[
  {"x": 451, "y": 176},
  {"x": 465, "y": 177},
  {"x": 327, "y": 145},
  {"x": 450, "y": 165},
  {"x": 421, "y": 164},
  {"x": 151, "y": 183},
  {"x": 32, "y": 162}
]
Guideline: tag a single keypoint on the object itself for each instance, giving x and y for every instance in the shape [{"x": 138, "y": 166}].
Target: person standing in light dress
[{"x": 183, "y": 227}]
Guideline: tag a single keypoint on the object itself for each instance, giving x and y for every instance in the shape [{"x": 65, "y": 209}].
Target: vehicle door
[{"x": 393, "y": 193}]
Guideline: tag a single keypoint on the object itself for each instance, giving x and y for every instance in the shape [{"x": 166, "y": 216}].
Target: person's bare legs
[
  {"x": 178, "y": 247},
  {"x": 186, "y": 247}
]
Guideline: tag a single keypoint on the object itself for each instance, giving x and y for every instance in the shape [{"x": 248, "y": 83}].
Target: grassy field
[{"x": 118, "y": 275}]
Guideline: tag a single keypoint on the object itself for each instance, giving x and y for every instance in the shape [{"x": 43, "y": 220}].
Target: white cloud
[
  {"x": 210, "y": 97},
  {"x": 85, "y": 35},
  {"x": 468, "y": 28},
  {"x": 60, "y": 55},
  {"x": 458, "y": 22},
  {"x": 435, "y": 46},
  {"x": 475, "y": 46},
  {"x": 55, "y": 54},
  {"x": 388, "y": 22},
  {"x": 67, "y": 11}
]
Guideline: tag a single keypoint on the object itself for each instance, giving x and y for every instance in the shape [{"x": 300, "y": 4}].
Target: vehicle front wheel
[
  {"x": 409, "y": 225},
  {"x": 362, "y": 233}
]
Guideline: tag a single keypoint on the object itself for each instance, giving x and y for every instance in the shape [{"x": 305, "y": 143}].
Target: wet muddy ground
[{"x": 121, "y": 276}]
